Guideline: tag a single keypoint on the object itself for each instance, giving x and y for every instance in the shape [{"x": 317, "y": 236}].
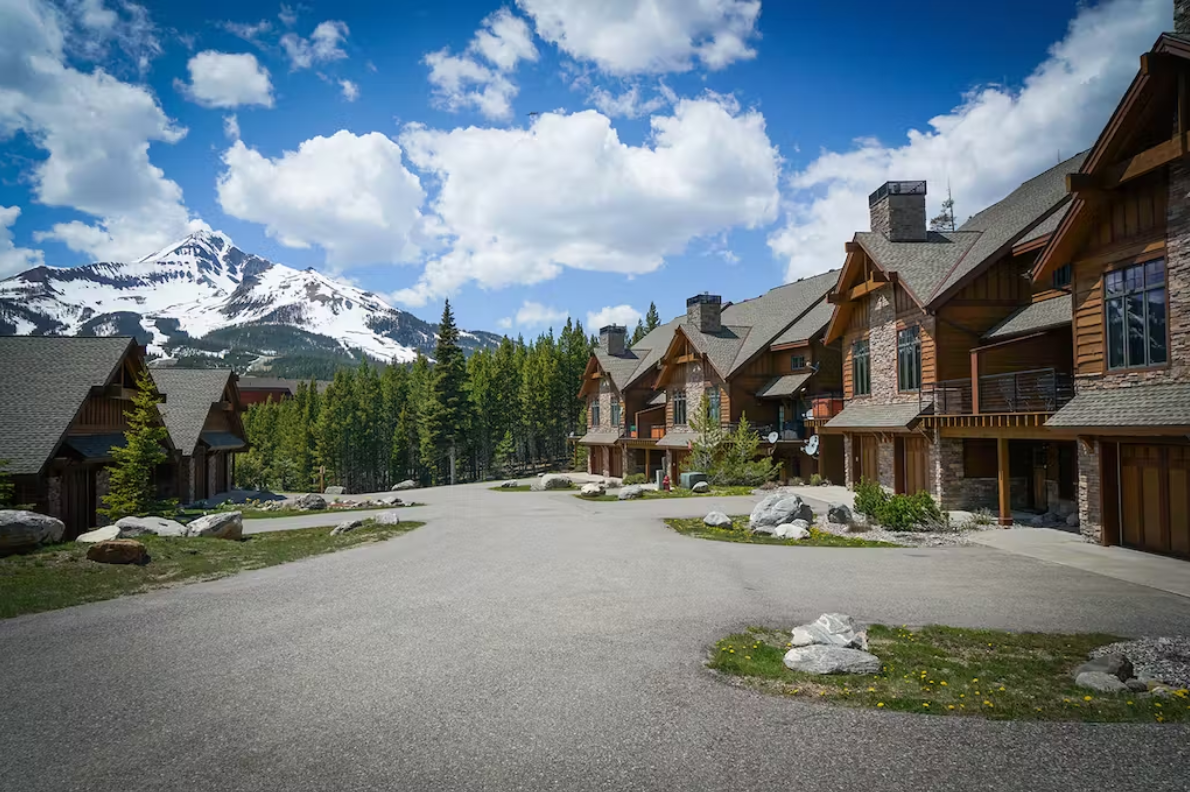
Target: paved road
[{"x": 537, "y": 642}]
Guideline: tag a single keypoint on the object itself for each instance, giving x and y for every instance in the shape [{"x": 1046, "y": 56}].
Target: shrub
[
  {"x": 870, "y": 498},
  {"x": 910, "y": 513},
  {"x": 816, "y": 480},
  {"x": 797, "y": 481},
  {"x": 728, "y": 458},
  {"x": 635, "y": 478}
]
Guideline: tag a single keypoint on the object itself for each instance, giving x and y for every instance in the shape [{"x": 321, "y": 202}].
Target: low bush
[
  {"x": 635, "y": 478},
  {"x": 797, "y": 481},
  {"x": 898, "y": 512},
  {"x": 816, "y": 480}
]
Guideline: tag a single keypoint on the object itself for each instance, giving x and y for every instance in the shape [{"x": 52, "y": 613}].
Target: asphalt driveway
[{"x": 526, "y": 641}]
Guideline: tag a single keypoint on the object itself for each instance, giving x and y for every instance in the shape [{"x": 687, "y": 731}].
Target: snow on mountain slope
[{"x": 205, "y": 284}]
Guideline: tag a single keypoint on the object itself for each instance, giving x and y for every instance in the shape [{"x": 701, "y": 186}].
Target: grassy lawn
[
  {"x": 695, "y": 527},
  {"x": 951, "y": 672},
  {"x": 60, "y": 575},
  {"x": 264, "y": 514},
  {"x": 676, "y": 492}
]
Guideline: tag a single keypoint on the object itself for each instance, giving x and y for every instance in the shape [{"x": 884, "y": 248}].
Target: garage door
[
  {"x": 917, "y": 450},
  {"x": 1155, "y": 498}
]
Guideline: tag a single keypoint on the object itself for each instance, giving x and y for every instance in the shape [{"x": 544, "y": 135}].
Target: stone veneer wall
[
  {"x": 848, "y": 481},
  {"x": 212, "y": 474},
  {"x": 103, "y": 485},
  {"x": 1090, "y": 516},
  {"x": 53, "y": 486}
]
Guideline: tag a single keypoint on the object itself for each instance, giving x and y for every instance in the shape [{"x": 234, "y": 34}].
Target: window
[
  {"x": 1062, "y": 277},
  {"x": 615, "y": 413},
  {"x": 797, "y": 362},
  {"x": 861, "y": 371},
  {"x": 594, "y": 413},
  {"x": 1136, "y": 315},
  {"x": 713, "y": 402},
  {"x": 909, "y": 359},
  {"x": 679, "y": 400}
]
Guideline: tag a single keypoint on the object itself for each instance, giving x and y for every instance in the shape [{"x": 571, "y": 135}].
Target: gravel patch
[
  {"x": 1164, "y": 659},
  {"x": 949, "y": 538}
]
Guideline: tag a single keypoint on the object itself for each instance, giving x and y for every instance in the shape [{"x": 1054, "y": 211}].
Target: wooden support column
[
  {"x": 1003, "y": 479},
  {"x": 974, "y": 382},
  {"x": 647, "y": 462}
]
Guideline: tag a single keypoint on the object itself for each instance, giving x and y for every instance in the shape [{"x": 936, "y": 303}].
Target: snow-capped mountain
[{"x": 205, "y": 298}]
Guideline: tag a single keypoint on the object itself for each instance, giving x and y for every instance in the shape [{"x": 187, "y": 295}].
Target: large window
[
  {"x": 615, "y": 413},
  {"x": 909, "y": 359},
  {"x": 713, "y": 404},
  {"x": 679, "y": 400},
  {"x": 1136, "y": 315},
  {"x": 861, "y": 369},
  {"x": 595, "y": 413}
]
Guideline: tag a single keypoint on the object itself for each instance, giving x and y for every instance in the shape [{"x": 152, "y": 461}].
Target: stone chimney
[
  {"x": 612, "y": 339},
  {"x": 898, "y": 210},
  {"x": 1181, "y": 17},
  {"x": 705, "y": 312}
]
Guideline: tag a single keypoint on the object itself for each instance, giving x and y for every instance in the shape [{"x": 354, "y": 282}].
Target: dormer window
[{"x": 797, "y": 362}]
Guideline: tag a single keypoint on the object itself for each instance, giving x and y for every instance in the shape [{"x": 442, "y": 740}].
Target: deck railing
[{"x": 1034, "y": 391}]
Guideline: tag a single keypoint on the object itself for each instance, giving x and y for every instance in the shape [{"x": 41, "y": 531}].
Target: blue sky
[{"x": 727, "y": 147}]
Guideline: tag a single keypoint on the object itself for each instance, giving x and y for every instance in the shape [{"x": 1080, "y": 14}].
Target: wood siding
[{"x": 100, "y": 415}]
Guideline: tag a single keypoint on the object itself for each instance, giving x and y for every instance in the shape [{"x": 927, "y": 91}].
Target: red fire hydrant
[{"x": 665, "y": 483}]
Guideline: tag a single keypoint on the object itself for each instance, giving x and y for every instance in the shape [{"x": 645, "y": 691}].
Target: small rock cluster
[
  {"x": 631, "y": 492},
  {"x": 552, "y": 481},
  {"x": 783, "y": 516},
  {"x": 1063, "y": 514},
  {"x": 594, "y": 489},
  {"x": 1113, "y": 673},
  {"x": 1161, "y": 660},
  {"x": 831, "y": 645}
]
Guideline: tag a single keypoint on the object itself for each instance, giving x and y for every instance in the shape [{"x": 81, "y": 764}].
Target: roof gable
[{"x": 190, "y": 394}]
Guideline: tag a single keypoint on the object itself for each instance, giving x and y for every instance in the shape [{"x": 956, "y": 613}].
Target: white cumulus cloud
[
  {"x": 534, "y": 314},
  {"x": 479, "y": 77},
  {"x": 518, "y": 205},
  {"x": 349, "y": 194},
  {"x": 223, "y": 80},
  {"x": 623, "y": 315},
  {"x": 321, "y": 47},
  {"x": 985, "y": 147},
  {"x": 99, "y": 167},
  {"x": 350, "y": 90},
  {"x": 14, "y": 259},
  {"x": 231, "y": 127},
  {"x": 636, "y": 36},
  {"x": 629, "y": 103}
]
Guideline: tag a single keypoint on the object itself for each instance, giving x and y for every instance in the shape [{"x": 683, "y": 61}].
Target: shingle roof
[
  {"x": 189, "y": 394},
  {"x": 1043, "y": 315},
  {"x": 43, "y": 383},
  {"x": 933, "y": 267},
  {"x": 620, "y": 367},
  {"x": 1047, "y": 226},
  {"x": 94, "y": 448},
  {"x": 652, "y": 347},
  {"x": 784, "y": 387},
  {"x": 677, "y": 438},
  {"x": 222, "y": 441},
  {"x": 808, "y": 326},
  {"x": 266, "y": 383},
  {"x": 658, "y": 400},
  {"x": 1137, "y": 405},
  {"x": 600, "y": 437},
  {"x": 876, "y": 416}
]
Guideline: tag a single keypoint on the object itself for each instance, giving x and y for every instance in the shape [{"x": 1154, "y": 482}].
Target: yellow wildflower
[{"x": 879, "y": 703}]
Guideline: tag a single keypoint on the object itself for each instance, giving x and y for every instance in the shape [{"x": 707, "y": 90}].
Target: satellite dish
[
  {"x": 812, "y": 445},
  {"x": 774, "y": 437}
]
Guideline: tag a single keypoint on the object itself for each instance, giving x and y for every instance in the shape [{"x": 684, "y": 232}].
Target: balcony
[
  {"x": 1036, "y": 391},
  {"x": 826, "y": 406}
]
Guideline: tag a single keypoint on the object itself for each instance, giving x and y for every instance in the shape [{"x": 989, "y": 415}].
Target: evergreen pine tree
[
  {"x": 132, "y": 491},
  {"x": 639, "y": 333},
  {"x": 444, "y": 420},
  {"x": 652, "y": 318}
]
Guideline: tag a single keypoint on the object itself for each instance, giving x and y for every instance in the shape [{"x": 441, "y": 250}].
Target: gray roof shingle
[
  {"x": 876, "y": 416},
  {"x": 1037, "y": 316},
  {"x": 601, "y": 437},
  {"x": 809, "y": 326},
  {"x": 785, "y": 386},
  {"x": 920, "y": 265},
  {"x": 45, "y": 381},
  {"x": 620, "y": 367},
  {"x": 1137, "y": 405},
  {"x": 189, "y": 394},
  {"x": 1047, "y": 226},
  {"x": 677, "y": 438}
]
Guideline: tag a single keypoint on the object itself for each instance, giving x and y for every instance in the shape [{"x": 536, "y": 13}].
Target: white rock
[
  {"x": 553, "y": 481},
  {"x": 22, "y": 530},
  {"x": 388, "y": 518},
  {"x": 701, "y": 488},
  {"x": 510, "y": 485},
  {"x": 335, "y": 490},
  {"x": 778, "y": 509},
  {"x": 407, "y": 484},
  {"x": 1100, "y": 681},
  {"x": 223, "y": 525},
  {"x": 158, "y": 526},
  {"x": 830, "y": 629},
  {"x": 631, "y": 492},
  {"x": 346, "y": 526},
  {"x": 792, "y": 530},
  {"x": 311, "y": 501},
  {"x": 819, "y": 659},
  {"x": 593, "y": 489},
  {"x": 99, "y": 535},
  {"x": 717, "y": 520}
]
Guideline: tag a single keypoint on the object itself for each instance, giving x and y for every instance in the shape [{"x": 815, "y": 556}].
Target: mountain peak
[{"x": 215, "y": 243}]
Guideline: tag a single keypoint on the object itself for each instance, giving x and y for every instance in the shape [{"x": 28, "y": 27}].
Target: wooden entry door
[
  {"x": 1154, "y": 491},
  {"x": 615, "y": 462},
  {"x": 917, "y": 450},
  {"x": 78, "y": 501},
  {"x": 869, "y": 458}
]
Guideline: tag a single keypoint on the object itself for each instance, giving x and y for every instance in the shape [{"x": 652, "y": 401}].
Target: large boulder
[
  {"x": 117, "y": 551},
  {"x": 631, "y": 492},
  {"x": 23, "y": 530},
  {"x": 510, "y": 484},
  {"x": 839, "y": 513},
  {"x": 387, "y": 518},
  {"x": 830, "y": 629},
  {"x": 347, "y": 526},
  {"x": 1100, "y": 681},
  {"x": 819, "y": 659},
  {"x": 390, "y": 500},
  {"x": 553, "y": 481},
  {"x": 336, "y": 490},
  {"x": 593, "y": 489},
  {"x": 717, "y": 520},
  {"x": 407, "y": 484},
  {"x": 798, "y": 529},
  {"x": 158, "y": 526},
  {"x": 778, "y": 509},
  {"x": 311, "y": 501},
  {"x": 223, "y": 525},
  {"x": 99, "y": 535},
  {"x": 701, "y": 488},
  {"x": 1117, "y": 665}
]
